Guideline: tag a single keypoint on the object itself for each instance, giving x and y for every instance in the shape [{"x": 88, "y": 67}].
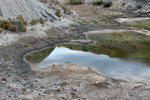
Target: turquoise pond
[{"x": 121, "y": 58}]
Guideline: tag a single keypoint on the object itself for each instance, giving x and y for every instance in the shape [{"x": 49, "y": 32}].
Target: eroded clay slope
[{"x": 28, "y": 8}]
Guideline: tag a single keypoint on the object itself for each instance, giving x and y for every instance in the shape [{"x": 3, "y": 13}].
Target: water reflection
[
  {"x": 111, "y": 67},
  {"x": 124, "y": 55}
]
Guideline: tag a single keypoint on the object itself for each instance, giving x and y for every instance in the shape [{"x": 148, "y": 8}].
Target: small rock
[
  {"x": 11, "y": 65},
  {"x": 3, "y": 82},
  {"x": 143, "y": 12},
  {"x": 148, "y": 11},
  {"x": 39, "y": 76},
  {"x": 4, "y": 79},
  {"x": 47, "y": 92},
  {"x": 138, "y": 11},
  {"x": 36, "y": 80}
]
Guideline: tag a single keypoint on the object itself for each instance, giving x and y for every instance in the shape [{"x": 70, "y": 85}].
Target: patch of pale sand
[
  {"x": 9, "y": 38},
  {"x": 63, "y": 22},
  {"x": 28, "y": 96},
  {"x": 70, "y": 71},
  {"x": 105, "y": 31},
  {"x": 122, "y": 20},
  {"x": 141, "y": 31}
]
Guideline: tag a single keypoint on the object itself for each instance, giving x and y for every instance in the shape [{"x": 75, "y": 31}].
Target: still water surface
[{"x": 123, "y": 56}]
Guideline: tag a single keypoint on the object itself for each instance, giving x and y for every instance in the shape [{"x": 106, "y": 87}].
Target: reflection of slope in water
[
  {"x": 37, "y": 57},
  {"x": 111, "y": 67},
  {"x": 128, "y": 45}
]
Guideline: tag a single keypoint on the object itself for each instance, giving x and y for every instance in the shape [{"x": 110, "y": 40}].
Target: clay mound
[{"x": 30, "y": 9}]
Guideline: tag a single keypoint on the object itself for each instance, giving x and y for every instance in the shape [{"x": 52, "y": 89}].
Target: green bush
[
  {"x": 97, "y": 3},
  {"x": 21, "y": 24},
  {"x": 57, "y": 12},
  {"x": 5, "y": 24},
  {"x": 139, "y": 6},
  {"x": 57, "y": 2},
  {"x": 76, "y": 2},
  {"x": 14, "y": 29},
  {"x": 41, "y": 20},
  {"x": 21, "y": 27},
  {"x": 1, "y": 30},
  {"x": 25, "y": 45},
  {"x": 33, "y": 22},
  {"x": 107, "y": 4},
  {"x": 123, "y": 3},
  {"x": 66, "y": 10}
]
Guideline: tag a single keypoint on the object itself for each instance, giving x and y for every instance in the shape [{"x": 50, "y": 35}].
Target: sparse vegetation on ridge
[
  {"x": 66, "y": 10},
  {"x": 76, "y": 2},
  {"x": 18, "y": 24},
  {"x": 101, "y": 2},
  {"x": 15, "y": 25},
  {"x": 107, "y": 4},
  {"x": 34, "y": 21}
]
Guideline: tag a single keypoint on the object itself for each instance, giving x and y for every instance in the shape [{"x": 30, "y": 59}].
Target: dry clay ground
[{"x": 19, "y": 81}]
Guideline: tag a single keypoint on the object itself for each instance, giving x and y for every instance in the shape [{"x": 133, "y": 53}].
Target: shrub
[
  {"x": 57, "y": 12},
  {"x": 123, "y": 3},
  {"x": 76, "y": 2},
  {"x": 20, "y": 26},
  {"x": 41, "y": 20},
  {"x": 107, "y": 4},
  {"x": 42, "y": 25},
  {"x": 25, "y": 45},
  {"x": 129, "y": 6},
  {"x": 14, "y": 25},
  {"x": 33, "y": 22},
  {"x": 98, "y": 3},
  {"x": 21, "y": 17},
  {"x": 139, "y": 6},
  {"x": 43, "y": 1},
  {"x": 1, "y": 30},
  {"x": 14, "y": 29},
  {"x": 66, "y": 10},
  {"x": 46, "y": 20},
  {"x": 4, "y": 24},
  {"x": 57, "y": 2}
]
